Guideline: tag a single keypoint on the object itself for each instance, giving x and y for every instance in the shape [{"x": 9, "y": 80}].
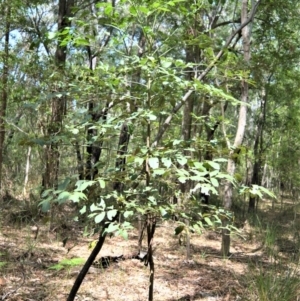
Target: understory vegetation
[{"x": 149, "y": 150}]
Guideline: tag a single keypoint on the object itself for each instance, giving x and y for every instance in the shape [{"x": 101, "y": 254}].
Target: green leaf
[
  {"x": 176, "y": 142},
  {"x": 52, "y": 35},
  {"x": 221, "y": 160},
  {"x": 179, "y": 229},
  {"x": 214, "y": 173},
  {"x": 63, "y": 197},
  {"x": 112, "y": 228},
  {"x": 205, "y": 189},
  {"x": 213, "y": 164},
  {"x": 67, "y": 263},
  {"x": 102, "y": 183},
  {"x": 181, "y": 160},
  {"x": 166, "y": 62},
  {"x": 74, "y": 131},
  {"x": 82, "y": 210},
  {"x": 167, "y": 162},
  {"x": 152, "y": 117},
  {"x": 46, "y": 192},
  {"x": 159, "y": 171},
  {"x": 83, "y": 184},
  {"x": 2, "y": 264},
  {"x": 64, "y": 184},
  {"x": 197, "y": 229},
  {"x": 199, "y": 165},
  {"x": 45, "y": 204},
  {"x": 99, "y": 217},
  {"x": 133, "y": 11},
  {"x": 153, "y": 162},
  {"x": 81, "y": 42},
  {"x": 208, "y": 221},
  {"x": 111, "y": 213},
  {"x": 139, "y": 160},
  {"x": 163, "y": 211},
  {"x": 214, "y": 182},
  {"x": 56, "y": 267},
  {"x": 152, "y": 200},
  {"x": 73, "y": 261},
  {"x": 128, "y": 214},
  {"x": 77, "y": 196},
  {"x": 182, "y": 179}
]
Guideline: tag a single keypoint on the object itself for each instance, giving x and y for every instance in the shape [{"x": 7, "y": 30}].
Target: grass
[{"x": 275, "y": 285}]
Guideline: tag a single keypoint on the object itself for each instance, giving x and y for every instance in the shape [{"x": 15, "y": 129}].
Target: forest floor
[{"x": 30, "y": 263}]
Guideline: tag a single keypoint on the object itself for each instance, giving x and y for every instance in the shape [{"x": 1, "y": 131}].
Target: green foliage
[
  {"x": 3, "y": 264},
  {"x": 203, "y": 217},
  {"x": 67, "y": 264},
  {"x": 256, "y": 191}
]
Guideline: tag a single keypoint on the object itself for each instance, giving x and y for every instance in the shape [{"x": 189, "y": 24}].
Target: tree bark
[{"x": 5, "y": 72}]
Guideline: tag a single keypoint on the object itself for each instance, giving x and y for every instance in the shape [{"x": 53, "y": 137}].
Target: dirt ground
[{"x": 26, "y": 258}]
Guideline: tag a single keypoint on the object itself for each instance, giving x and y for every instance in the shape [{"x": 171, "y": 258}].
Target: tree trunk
[
  {"x": 5, "y": 71},
  {"x": 228, "y": 189},
  {"x": 88, "y": 264},
  {"x": 27, "y": 170},
  {"x": 58, "y": 104},
  {"x": 257, "y": 150}
]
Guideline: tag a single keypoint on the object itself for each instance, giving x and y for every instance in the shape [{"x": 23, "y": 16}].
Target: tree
[
  {"x": 6, "y": 12},
  {"x": 235, "y": 148},
  {"x": 59, "y": 102}
]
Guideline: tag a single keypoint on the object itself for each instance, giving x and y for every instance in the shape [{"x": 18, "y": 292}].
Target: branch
[
  {"x": 225, "y": 23},
  {"x": 167, "y": 122}
]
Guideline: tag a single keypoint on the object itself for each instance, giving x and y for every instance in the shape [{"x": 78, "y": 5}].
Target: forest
[{"x": 149, "y": 150}]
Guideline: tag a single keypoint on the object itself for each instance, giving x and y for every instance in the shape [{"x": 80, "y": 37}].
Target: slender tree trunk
[
  {"x": 5, "y": 72},
  {"x": 257, "y": 151},
  {"x": 58, "y": 104},
  {"x": 151, "y": 226},
  {"x": 87, "y": 264},
  {"x": 94, "y": 148},
  {"x": 80, "y": 167},
  {"x": 27, "y": 169},
  {"x": 228, "y": 189}
]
